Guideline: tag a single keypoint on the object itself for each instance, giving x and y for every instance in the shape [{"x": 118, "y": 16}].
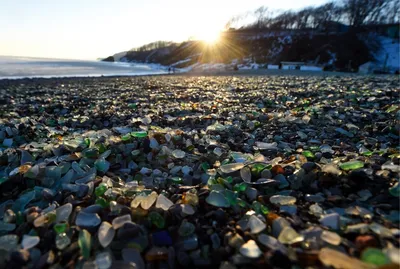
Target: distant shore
[{"x": 263, "y": 72}]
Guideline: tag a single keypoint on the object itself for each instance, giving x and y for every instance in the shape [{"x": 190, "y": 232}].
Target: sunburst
[{"x": 209, "y": 36}]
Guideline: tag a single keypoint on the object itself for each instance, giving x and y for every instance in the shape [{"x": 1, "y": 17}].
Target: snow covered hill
[{"x": 344, "y": 51}]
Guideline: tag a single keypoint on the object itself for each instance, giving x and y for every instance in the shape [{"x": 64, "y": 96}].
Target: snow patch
[
  {"x": 389, "y": 52},
  {"x": 310, "y": 68},
  {"x": 181, "y": 62}
]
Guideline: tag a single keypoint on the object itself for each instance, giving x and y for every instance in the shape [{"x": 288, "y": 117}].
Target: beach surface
[{"x": 241, "y": 171}]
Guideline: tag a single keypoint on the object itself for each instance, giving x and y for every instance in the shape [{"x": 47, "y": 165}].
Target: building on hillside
[
  {"x": 311, "y": 68},
  {"x": 291, "y": 65},
  {"x": 272, "y": 66}
]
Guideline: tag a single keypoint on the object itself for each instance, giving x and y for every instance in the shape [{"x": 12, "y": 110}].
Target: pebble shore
[{"x": 200, "y": 171}]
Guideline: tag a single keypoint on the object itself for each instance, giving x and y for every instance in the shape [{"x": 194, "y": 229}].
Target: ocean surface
[{"x": 22, "y": 67}]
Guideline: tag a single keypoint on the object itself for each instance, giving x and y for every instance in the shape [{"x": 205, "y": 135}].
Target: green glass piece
[
  {"x": 87, "y": 142},
  {"x": 102, "y": 148},
  {"x": 236, "y": 188},
  {"x": 190, "y": 148},
  {"x": 220, "y": 181},
  {"x": 162, "y": 157},
  {"x": 176, "y": 180},
  {"x": 51, "y": 122},
  {"x": 231, "y": 196},
  {"x": 20, "y": 218},
  {"x": 367, "y": 153},
  {"x": 177, "y": 137},
  {"x": 256, "y": 207},
  {"x": 352, "y": 165},
  {"x": 101, "y": 189},
  {"x": 391, "y": 108},
  {"x": 395, "y": 190},
  {"x": 308, "y": 154},
  {"x": 132, "y": 106},
  {"x": 102, "y": 165},
  {"x": 157, "y": 220},
  {"x": 85, "y": 243},
  {"x": 102, "y": 202},
  {"x": 126, "y": 137},
  {"x": 241, "y": 187},
  {"x": 186, "y": 228},
  {"x": 51, "y": 217},
  {"x": 3, "y": 179},
  {"x": 229, "y": 179},
  {"x": 139, "y": 134},
  {"x": 135, "y": 152},
  {"x": 241, "y": 203},
  {"x": 374, "y": 256},
  {"x": 264, "y": 209},
  {"x": 257, "y": 168},
  {"x": 60, "y": 227},
  {"x": 91, "y": 153},
  {"x": 205, "y": 166},
  {"x": 211, "y": 181}
]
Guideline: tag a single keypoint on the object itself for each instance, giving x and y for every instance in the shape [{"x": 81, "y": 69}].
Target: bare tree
[
  {"x": 232, "y": 22},
  {"x": 359, "y": 12},
  {"x": 393, "y": 14},
  {"x": 352, "y": 12},
  {"x": 285, "y": 20},
  {"x": 259, "y": 13},
  {"x": 324, "y": 14},
  {"x": 236, "y": 21},
  {"x": 303, "y": 18}
]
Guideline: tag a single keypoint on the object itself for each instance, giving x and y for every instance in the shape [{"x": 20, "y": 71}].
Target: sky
[{"x": 91, "y": 29}]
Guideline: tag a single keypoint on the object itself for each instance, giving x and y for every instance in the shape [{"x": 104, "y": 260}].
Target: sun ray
[{"x": 209, "y": 36}]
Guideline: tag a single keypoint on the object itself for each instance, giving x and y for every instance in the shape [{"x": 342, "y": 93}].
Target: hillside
[{"x": 340, "y": 49}]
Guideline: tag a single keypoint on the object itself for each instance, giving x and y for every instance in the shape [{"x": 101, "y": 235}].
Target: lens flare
[{"x": 209, "y": 36}]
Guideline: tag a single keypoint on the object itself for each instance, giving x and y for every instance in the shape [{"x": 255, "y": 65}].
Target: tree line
[
  {"x": 354, "y": 13},
  {"x": 153, "y": 45}
]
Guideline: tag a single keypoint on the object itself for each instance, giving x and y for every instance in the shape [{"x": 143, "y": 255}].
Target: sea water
[{"x": 21, "y": 67}]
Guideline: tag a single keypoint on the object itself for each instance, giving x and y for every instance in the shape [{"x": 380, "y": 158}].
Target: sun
[{"x": 209, "y": 36}]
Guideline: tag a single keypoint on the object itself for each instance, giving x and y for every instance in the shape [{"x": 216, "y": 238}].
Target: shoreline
[{"x": 244, "y": 72}]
